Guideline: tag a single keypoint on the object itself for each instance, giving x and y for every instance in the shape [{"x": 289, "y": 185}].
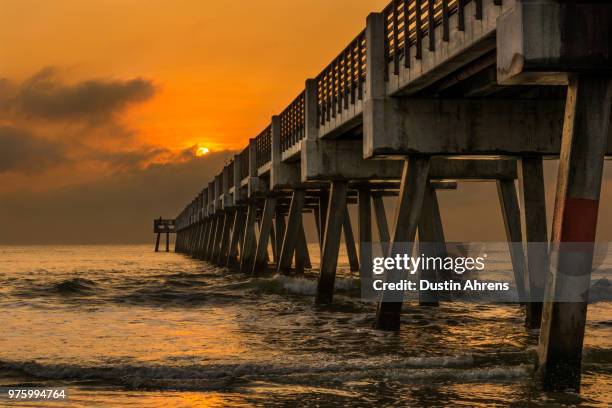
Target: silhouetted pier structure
[
  {"x": 430, "y": 94},
  {"x": 163, "y": 226}
]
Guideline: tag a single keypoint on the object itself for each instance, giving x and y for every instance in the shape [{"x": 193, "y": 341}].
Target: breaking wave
[{"x": 204, "y": 377}]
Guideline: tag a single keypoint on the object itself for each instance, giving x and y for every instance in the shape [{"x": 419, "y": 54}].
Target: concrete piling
[
  {"x": 292, "y": 229},
  {"x": 260, "y": 262},
  {"x": 238, "y": 226},
  {"x": 412, "y": 191},
  {"x": 249, "y": 244},
  {"x": 585, "y": 134},
  {"x": 381, "y": 223},
  {"x": 512, "y": 223},
  {"x": 431, "y": 243},
  {"x": 531, "y": 181},
  {"x": 365, "y": 233},
  {"x": 336, "y": 216},
  {"x": 349, "y": 241}
]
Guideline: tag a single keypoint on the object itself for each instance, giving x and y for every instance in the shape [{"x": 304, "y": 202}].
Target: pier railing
[
  {"x": 244, "y": 163},
  {"x": 342, "y": 82},
  {"x": 263, "y": 147},
  {"x": 163, "y": 225},
  {"x": 292, "y": 123},
  {"x": 230, "y": 173},
  {"x": 412, "y": 20}
]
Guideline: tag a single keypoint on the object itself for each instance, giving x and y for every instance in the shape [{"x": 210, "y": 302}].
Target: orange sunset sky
[{"x": 216, "y": 70}]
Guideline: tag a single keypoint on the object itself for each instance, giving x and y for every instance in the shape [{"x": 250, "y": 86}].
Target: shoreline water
[{"x": 120, "y": 324}]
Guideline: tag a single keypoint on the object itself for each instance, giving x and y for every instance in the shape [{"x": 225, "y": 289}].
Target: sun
[{"x": 202, "y": 151}]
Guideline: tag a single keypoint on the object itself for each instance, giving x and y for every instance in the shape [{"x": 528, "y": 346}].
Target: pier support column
[
  {"x": 331, "y": 242},
  {"x": 167, "y": 241},
  {"x": 187, "y": 239},
  {"x": 431, "y": 242},
  {"x": 273, "y": 243},
  {"x": 219, "y": 237},
  {"x": 260, "y": 261},
  {"x": 214, "y": 221},
  {"x": 279, "y": 226},
  {"x": 381, "y": 223},
  {"x": 533, "y": 200},
  {"x": 291, "y": 231},
  {"x": 408, "y": 214},
  {"x": 201, "y": 230},
  {"x": 191, "y": 239},
  {"x": 197, "y": 235},
  {"x": 585, "y": 132},
  {"x": 349, "y": 241},
  {"x": 238, "y": 226},
  {"x": 198, "y": 241},
  {"x": 225, "y": 236},
  {"x": 302, "y": 255},
  {"x": 512, "y": 223},
  {"x": 195, "y": 238},
  {"x": 322, "y": 215},
  {"x": 365, "y": 236},
  {"x": 199, "y": 227},
  {"x": 210, "y": 244},
  {"x": 178, "y": 245},
  {"x": 204, "y": 237},
  {"x": 184, "y": 233},
  {"x": 249, "y": 245},
  {"x": 157, "y": 243}
]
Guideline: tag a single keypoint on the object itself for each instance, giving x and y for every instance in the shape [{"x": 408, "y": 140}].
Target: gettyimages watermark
[{"x": 495, "y": 272}]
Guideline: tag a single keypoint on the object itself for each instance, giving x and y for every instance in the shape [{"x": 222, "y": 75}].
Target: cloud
[
  {"x": 45, "y": 96},
  {"x": 129, "y": 159},
  {"x": 117, "y": 209},
  {"x": 50, "y": 122},
  {"x": 22, "y": 151}
]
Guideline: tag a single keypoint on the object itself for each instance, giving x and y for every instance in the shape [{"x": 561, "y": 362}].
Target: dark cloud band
[
  {"x": 22, "y": 151},
  {"x": 45, "y": 96}
]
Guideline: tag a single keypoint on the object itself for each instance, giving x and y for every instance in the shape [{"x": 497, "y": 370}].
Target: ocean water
[{"x": 124, "y": 326}]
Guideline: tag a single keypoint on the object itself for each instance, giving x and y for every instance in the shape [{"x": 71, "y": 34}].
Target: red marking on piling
[{"x": 579, "y": 220}]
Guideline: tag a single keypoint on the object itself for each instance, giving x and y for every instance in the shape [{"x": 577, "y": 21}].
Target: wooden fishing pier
[{"x": 430, "y": 94}]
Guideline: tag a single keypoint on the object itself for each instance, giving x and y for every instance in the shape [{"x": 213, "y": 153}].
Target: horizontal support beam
[
  {"x": 408, "y": 126},
  {"x": 472, "y": 169},
  {"x": 256, "y": 186},
  {"x": 540, "y": 42},
  {"x": 343, "y": 160}
]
